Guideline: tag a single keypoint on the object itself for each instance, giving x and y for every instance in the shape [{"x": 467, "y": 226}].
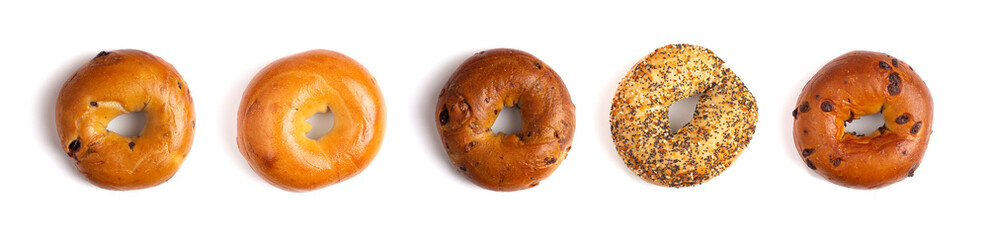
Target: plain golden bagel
[
  {"x": 271, "y": 124},
  {"x": 855, "y": 84},
  {"x": 115, "y": 83},
  {"x": 722, "y": 125},
  {"x": 470, "y": 101}
]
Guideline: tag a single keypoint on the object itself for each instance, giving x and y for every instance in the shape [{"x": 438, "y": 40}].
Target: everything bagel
[
  {"x": 115, "y": 83},
  {"x": 271, "y": 122},
  {"x": 856, "y": 84},
  {"x": 722, "y": 125},
  {"x": 470, "y": 102}
]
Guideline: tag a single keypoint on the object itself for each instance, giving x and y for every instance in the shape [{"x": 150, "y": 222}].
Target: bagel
[
  {"x": 722, "y": 125},
  {"x": 271, "y": 124},
  {"x": 856, "y": 84},
  {"x": 469, "y": 104},
  {"x": 115, "y": 83}
]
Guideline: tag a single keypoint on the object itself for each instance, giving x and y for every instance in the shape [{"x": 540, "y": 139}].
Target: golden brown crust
[
  {"x": 470, "y": 102},
  {"x": 271, "y": 122},
  {"x": 856, "y": 84},
  {"x": 115, "y": 83},
  {"x": 722, "y": 125}
]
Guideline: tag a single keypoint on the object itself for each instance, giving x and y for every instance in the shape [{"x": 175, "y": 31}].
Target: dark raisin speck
[
  {"x": 94, "y": 104},
  {"x": 904, "y": 152},
  {"x": 810, "y": 164},
  {"x": 102, "y": 53},
  {"x": 895, "y": 62},
  {"x": 894, "y": 78},
  {"x": 836, "y": 161},
  {"x": 826, "y": 106},
  {"x": 893, "y": 89},
  {"x": 884, "y": 65},
  {"x": 915, "y": 128},
  {"x": 131, "y": 145},
  {"x": 538, "y": 65},
  {"x": 444, "y": 117},
  {"x": 74, "y": 145},
  {"x": 794, "y": 112},
  {"x": 804, "y": 107},
  {"x": 463, "y": 169},
  {"x": 807, "y": 152},
  {"x": 902, "y": 119},
  {"x": 912, "y": 170},
  {"x": 550, "y": 161}
]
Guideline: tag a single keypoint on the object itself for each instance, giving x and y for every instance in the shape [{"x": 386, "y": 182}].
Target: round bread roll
[
  {"x": 271, "y": 124},
  {"x": 856, "y": 84},
  {"x": 115, "y": 83},
  {"x": 720, "y": 130},
  {"x": 470, "y": 101}
]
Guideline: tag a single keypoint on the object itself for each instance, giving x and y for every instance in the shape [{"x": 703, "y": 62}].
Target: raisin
[
  {"x": 74, "y": 145},
  {"x": 826, "y": 106},
  {"x": 915, "y": 128},
  {"x": 808, "y": 151},
  {"x": 810, "y": 164},
  {"x": 93, "y": 103},
  {"x": 131, "y": 145},
  {"x": 884, "y": 65},
  {"x": 893, "y": 89},
  {"x": 902, "y": 119},
  {"x": 894, "y": 78},
  {"x": 895, "y": 62},
  {"x": 444, "y": 117},
  {"x": 102, "y": 53},
  {"x": 836, "y": 161},
  {"x": 804, "y": 107}
]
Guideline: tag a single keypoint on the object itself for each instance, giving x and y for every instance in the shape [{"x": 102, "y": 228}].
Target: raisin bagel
[
  {"x": 722, "y": 125},
  {"x": 115, "y": 83},
  {"x": 470, "y": 102},
  {"x": 856, "y": 84},
  {"x": 271, "y": 124}
]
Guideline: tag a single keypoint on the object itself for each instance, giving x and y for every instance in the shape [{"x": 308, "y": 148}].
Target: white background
[{"x": 411, "y": 191}]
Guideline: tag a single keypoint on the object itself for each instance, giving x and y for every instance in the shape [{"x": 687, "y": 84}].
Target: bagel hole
[
  {"x": 681, "y": 112},
  {"x": 128, "y": 125},
  {"x": 508, "y": 121},
  {"x": 865, "y": 125},
  {"x": 322, "y": 123}
]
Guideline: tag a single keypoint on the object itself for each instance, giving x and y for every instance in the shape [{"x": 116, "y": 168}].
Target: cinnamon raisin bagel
[
  {"x": 856, "y": 84},
  {"x": 271, "y": 124},
  {"x": 115, "y": 83},
  {"x": 470, "y": 101},
  {"x": 722, "y": 125}
]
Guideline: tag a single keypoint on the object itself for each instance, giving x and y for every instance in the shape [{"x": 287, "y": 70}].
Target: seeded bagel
[{"x": 722, "y": 125}]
